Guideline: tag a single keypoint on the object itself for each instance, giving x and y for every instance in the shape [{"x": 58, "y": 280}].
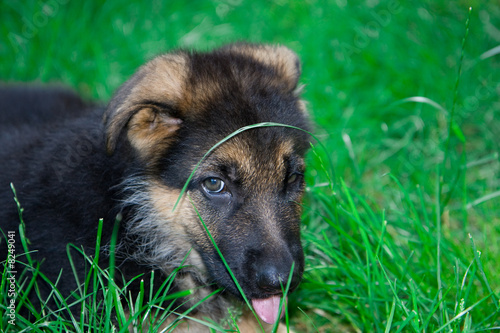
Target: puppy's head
[{"x": 248, "y": 190}]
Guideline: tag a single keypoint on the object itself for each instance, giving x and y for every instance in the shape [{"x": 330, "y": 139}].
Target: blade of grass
[
  {"x": 391, "y": 316},
  {"x": 284, "y": 291},
  {"x": 438, "y": 246},
  {"x": 111, "y": 296},
  {"x": 477, "y": 257}
]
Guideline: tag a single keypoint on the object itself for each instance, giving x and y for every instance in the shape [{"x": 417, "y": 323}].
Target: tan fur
[
  {"x": 278, "y": 57},
  {"x": 183, "y": 218},
  {"x": 303, "y": 107},
  {"x": 197, "y": 94},
  {"x": 161, "y": 80},
  {"x": 164, "y": 199},
  {"x": 175, "y": 222},
  {"x": 150, "y": 132},
  {"x": 254, "y": 170}
]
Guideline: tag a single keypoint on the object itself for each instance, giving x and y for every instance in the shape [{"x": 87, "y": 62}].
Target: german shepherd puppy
[{"x": 74, "y": 168}]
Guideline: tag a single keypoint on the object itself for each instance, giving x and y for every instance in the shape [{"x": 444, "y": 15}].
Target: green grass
[{"x": 403, "y": 236}]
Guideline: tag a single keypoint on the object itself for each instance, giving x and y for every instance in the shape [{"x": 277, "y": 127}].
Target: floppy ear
[
  {"x": 144, "y": 104},
  {"x": 281, "y": 59}
]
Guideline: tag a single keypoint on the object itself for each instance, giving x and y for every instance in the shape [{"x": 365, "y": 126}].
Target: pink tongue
[{"x": 268, "y": 309}]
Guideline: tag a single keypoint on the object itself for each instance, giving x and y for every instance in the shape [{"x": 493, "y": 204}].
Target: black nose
[{"x": 273, "y": 279}]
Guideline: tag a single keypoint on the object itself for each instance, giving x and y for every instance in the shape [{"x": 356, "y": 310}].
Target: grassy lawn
[{"x": 402, "y": 214}]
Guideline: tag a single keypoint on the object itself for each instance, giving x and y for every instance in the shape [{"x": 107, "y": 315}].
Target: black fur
[{"x": 18, "y": 102}]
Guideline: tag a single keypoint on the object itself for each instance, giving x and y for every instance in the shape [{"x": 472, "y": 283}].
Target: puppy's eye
[
  {"x": 214, "y": 185},
  {"x": 293, "y": 178}
]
